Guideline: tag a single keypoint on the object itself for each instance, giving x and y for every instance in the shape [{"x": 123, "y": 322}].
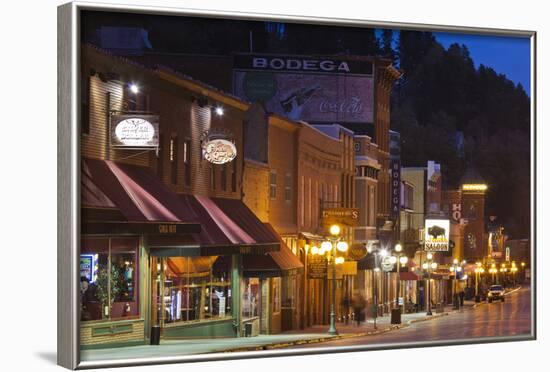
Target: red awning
[
  {"x": 222, "y": 226},
  {"x": 134, "y": 190},
  {"x": 271, "y": 264},
  {"x": 408, "y": 276}
]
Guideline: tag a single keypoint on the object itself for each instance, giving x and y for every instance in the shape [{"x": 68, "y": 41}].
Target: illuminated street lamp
[
  {"x": 455, "y": 268},
  {"x": 401, "y": 260},
  {"x": 382, "y": 253},
  {"x": 478, "y": 271},
  {"x": 493, "y": 271},
  {"x": 333, "y": 244},
  {"x": 429, "y": 266},
  {"x": 514, "y": 270}
]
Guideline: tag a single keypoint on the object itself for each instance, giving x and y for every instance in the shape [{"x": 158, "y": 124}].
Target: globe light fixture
[
  {"x": 434, "y": 265},
  {"x": 335, "y": 230},
  {"x": 134, "y": 88},
  {"x": 339, "y": 260},
  {"x": 403, "y": 260},
  {"x": 425, "y": 266},
  {"x": 342, "y": 246},
  {"x": 398, "y": 247},
  {"x": 314, "y": 250},
  {"x": 325, "y": 247},
  {"x": 393, "y": 259},
  {"x": 383, "y": 253},
  {"x": 429, "y": 256},
  {"x": 455, "y": 261},
  {"x": 219, "y": 111}
]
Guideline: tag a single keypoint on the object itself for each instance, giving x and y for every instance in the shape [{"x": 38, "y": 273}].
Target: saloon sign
[
  {"x": 436, "y": 235},
  {"x": 344, "y": 216},
  {"x": 135, "y": 131}
]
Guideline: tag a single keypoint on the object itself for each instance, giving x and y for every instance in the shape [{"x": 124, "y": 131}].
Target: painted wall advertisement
[
  {"x": 436, "y": 235},
  {"x": 307, "y": 88}
]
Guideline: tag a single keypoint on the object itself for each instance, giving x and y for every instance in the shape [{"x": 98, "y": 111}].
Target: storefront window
[
  {"x": 193, "y": 290},
  {"x": 251, "y": 301},
  {"x": 108, "y": 278},
  {"x": 276, "y": 294}
]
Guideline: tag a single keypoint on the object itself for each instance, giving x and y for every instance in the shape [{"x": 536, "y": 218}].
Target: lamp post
[
  {"x": 376, "y": 270},
  {"x": 503, "y": 271},
  {"x": 493, "y": 271},
  {"x": 332, "y": 244},
  {"x": 401, "y": 260},
  {"x": 455, "y": 269},
  {"x": 429, "y": 266},
  {"x": 514, "y": 270},
  {"x": 478, "y": 271}
]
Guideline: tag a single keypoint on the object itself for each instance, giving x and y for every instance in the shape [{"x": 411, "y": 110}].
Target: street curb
[
  {"x": 331, "y": 338},
  {"x": 427, "y": 318},
  {"x": 310, "y": 341}
]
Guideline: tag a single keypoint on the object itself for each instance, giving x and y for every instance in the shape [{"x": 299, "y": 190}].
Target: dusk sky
[{"x": 506, "y": 55}]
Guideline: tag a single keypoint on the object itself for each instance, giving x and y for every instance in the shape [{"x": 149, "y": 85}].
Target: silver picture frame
[{"x": 68, "y": 181}]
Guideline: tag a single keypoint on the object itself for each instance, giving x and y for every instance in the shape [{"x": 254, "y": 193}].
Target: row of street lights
[{"x": 334, "y": 244}]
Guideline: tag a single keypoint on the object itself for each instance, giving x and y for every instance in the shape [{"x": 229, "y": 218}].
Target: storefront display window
[
  {"x": 276, "y": 294},
  {"x": 192, "y": 290},
  {"x": 108, "y": 278},
  {"x": 251, "y": 301}
]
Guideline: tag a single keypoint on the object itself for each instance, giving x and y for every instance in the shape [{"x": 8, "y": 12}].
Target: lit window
[
  {"x": 288, "y": 187},
  {"x": 273, "y": 184}
]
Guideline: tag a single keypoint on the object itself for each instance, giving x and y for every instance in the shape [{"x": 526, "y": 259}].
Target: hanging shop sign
[
  {"x": 436, "y": 235},
  {"x": 317, "y": 267},
  {"x": 218, "y": 146},
  {"x": 343, "y": 216},
  {"x": 349, "y": 268},
  {"x": 357, "y": 252},
  {"x": 135, "y": 131},
  {"x": 387, "y": 264}
]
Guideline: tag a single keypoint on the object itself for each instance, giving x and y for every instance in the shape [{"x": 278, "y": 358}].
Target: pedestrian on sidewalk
[
  {"x": 462, "y": 294},
  {"x": 358, "y": 303}
]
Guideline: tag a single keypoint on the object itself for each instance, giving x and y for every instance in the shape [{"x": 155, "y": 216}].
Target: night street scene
[{"x": 252, "y": 185}]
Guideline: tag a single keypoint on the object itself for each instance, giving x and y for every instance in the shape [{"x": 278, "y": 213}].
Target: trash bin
[
  {"x": 247, "y": 329},
  {"x": 396, "y": 316},
  {"x": 155, "y": 335}
]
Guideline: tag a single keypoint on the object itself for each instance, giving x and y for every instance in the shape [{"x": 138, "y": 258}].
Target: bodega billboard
[
  {"x": 313, "y": 89},
  {"x": 436, "y": 235}
]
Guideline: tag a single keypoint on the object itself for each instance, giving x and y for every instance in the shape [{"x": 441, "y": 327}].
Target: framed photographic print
[{"x": 239, "y": 185}]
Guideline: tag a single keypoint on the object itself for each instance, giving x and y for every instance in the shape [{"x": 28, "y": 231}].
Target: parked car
[{"x": 495, "y": 292}]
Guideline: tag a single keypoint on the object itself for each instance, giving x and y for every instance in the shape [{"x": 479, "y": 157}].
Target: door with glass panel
[{"x": 189, "y": 289}]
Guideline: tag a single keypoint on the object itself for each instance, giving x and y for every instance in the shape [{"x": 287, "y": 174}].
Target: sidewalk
[{"x": 311, "y": 335}]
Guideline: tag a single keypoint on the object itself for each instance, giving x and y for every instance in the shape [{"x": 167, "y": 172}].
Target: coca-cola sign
[
  {"x": 309, "y": 89},
  {"x": 134, "y": 131}
]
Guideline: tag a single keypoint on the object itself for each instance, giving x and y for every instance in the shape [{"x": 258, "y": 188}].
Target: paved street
[{"x": 486, "y": 320}]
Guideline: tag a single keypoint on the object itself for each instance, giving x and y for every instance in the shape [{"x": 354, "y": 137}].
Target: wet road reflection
[{"x": 497, "y": 319}]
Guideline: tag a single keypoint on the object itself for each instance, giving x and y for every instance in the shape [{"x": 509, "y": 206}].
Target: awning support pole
[{"x": 236, "y": 275}]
